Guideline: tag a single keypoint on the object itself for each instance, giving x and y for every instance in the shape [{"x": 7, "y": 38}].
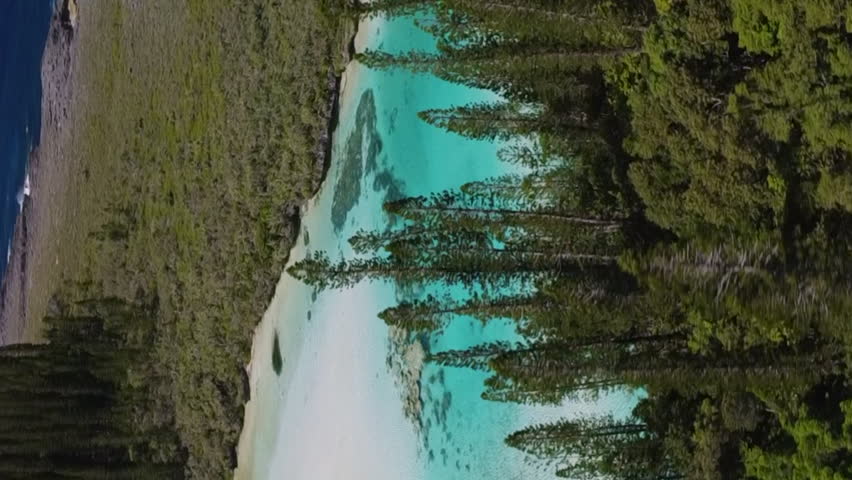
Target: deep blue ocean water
[{"x": 23, "y": 35}]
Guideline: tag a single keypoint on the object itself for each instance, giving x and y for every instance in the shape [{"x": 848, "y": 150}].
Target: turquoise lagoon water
[{"x": 337, "y": 410}]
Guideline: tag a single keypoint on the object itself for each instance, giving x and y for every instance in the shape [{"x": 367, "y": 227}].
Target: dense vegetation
[
  {"x": 74, "y": 408},
  {"x": 684, "y": 232},
  {"x": 202, "y": 128}
]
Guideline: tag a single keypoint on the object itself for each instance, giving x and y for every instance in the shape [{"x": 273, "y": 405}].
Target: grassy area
[{"x": 200, "y": 130}]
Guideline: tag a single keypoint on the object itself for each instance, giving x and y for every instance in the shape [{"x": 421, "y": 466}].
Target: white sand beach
[
  {"x": 337, "y": 409},
  {"x": 322, "y": 400}
]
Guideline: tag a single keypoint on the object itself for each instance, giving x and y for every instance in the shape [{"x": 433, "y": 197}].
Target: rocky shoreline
[
  {"x": 323, "y": 149},
  {"x": 49, "y": 170}
]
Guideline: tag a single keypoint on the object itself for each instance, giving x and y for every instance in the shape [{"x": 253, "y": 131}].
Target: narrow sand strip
[{"x": 265, "y": 397}]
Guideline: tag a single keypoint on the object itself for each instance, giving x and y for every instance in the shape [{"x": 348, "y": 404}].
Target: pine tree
[
  {"x": 483, "y": 121},
  {"x": 445, "y": 207},
  {"x": 596, "y": 448}
]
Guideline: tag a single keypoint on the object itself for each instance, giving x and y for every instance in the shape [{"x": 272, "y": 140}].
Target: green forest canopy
[{"x": 685, "y": 229}]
